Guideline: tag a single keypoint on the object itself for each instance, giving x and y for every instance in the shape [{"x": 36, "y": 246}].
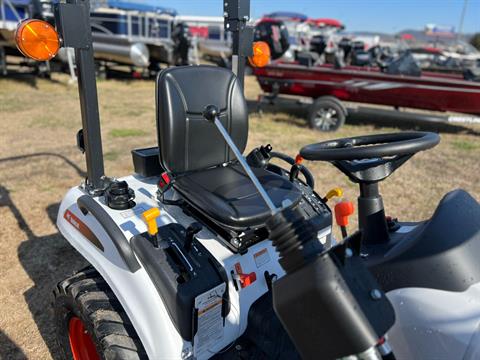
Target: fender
[
  {"x": 134, "y": 290},
  {"x": 448, "y": 328}
]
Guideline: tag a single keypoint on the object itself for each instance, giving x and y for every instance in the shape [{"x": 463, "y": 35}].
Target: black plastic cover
[
  {"x": 442, "y": 253},
  {"x": 266, "y": 331},
  {"x": 179, "y": 275},
  {"x": 332, "y": 305},
  {"x": 404, "y": 65},
  {"x": 146, "y": 162}
]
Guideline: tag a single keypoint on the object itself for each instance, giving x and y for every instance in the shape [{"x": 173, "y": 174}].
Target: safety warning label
[
  {"x": 261, "y": 257},
  {"x": 209, "y": 321}
]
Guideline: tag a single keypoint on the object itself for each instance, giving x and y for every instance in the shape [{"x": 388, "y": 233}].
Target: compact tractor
[{"x": 207, "y": 252}]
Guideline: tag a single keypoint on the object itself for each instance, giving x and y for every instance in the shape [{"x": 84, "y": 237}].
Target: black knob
[
  {"x": 191, "y": 231},
  {"x": 210, "y": 112}
]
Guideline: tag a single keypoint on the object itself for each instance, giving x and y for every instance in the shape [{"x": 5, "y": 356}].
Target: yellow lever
[
  {"x": 335, "y": 192},
  {"x": 150, "y": 216}
]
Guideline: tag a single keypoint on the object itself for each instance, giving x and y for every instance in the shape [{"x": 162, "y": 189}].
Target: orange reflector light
[
  {"x": 261, "y": 54},
  {"x": 37, "y": 40}
]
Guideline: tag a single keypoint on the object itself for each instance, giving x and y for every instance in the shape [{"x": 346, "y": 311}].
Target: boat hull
[{"x": 438, "y": 92}]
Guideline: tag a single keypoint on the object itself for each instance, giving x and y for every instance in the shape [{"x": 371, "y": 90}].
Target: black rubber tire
[
  {"x": 87, "y": 296},
  {"x": 327, "y": 103}
]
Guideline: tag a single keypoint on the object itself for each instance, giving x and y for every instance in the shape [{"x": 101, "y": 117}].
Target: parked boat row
[{"x": 124, "y": 33}]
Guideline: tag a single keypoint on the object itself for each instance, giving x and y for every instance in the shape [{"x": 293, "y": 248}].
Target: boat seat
[{"x": 204, "y": 169}]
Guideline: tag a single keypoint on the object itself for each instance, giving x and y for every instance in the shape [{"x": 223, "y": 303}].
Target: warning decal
[
  {"x": 209, "y": 321},
  {"x": 261, "y": 258}
]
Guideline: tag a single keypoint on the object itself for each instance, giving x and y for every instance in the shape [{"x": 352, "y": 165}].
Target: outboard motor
[
  {"x": 181, "y": 40},
  {"x": 318, "y": 44},
  {"x": 275, "y": 34}
]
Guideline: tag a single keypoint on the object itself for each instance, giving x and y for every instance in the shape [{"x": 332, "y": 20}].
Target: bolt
[
  {"x": 238, "y": 347},
  {"x": 376, "y": 294}
]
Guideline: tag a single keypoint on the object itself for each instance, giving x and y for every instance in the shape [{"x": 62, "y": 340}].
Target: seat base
[{"x": 226, "y": 195}]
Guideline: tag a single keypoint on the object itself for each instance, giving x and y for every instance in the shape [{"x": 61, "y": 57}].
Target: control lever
[
  {"x": 192, "y": 230},
  {"x": 150, "y": 216},
  {"x": 211, "y": 114},
  {"x": 342, "y": 211}
]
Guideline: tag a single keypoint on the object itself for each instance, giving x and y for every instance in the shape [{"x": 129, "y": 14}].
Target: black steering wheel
[{"x": 371, "y": 158}]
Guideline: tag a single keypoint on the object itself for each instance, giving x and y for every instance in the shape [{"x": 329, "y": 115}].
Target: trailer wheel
[
  {"x": 327, "y": 114},
  {"x": 90, "y": 322}
]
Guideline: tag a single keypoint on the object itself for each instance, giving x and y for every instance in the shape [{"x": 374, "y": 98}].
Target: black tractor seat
[
  {"x": 191, "y": 149},
  {"x": 226, "y": 194}
]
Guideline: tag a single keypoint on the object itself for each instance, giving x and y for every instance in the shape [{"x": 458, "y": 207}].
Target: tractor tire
[
  {"x": 327, "y": 114},
  {"x": 90, "y": 322}
]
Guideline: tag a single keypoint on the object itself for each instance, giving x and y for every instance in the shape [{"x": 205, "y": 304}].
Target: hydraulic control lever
[
  {"x": 150, "y": 217},
  {"x": 192, "y": 230}
]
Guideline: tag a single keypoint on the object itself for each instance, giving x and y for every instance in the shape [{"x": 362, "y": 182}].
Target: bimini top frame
[{"x": 73, "y": 24}]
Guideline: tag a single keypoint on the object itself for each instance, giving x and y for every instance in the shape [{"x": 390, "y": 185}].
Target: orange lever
[
  {"x": 150, "y": 217},
  {"x": 342, "y": 211}
]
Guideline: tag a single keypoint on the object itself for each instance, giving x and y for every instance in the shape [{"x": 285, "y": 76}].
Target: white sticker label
[
  {"x": 261, "y": 258},
  {"x": 209, "y": 321}
]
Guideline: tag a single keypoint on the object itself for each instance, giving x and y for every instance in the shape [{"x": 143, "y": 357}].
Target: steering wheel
[{"x": 370, "y": 158}]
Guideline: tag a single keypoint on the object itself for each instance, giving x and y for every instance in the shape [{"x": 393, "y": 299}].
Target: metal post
[
  {"x": 73, "y": 21},
  {"x": 3, "y": 61},
  {"x": 237, "y": 14}
]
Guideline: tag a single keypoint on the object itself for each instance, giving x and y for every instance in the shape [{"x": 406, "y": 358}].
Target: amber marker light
[
  {"x": 37, "y": 40},
  {"x": 261, "y": 54}
]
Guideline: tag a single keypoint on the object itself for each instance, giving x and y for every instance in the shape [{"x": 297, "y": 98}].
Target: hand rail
[{"x": 88, "y": 205}]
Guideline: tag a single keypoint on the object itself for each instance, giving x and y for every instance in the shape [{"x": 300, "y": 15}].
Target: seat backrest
[{"x": 186, "y": 140}]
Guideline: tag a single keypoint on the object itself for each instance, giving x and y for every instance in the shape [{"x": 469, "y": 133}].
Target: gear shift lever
[{"x": 211, "y": 114}]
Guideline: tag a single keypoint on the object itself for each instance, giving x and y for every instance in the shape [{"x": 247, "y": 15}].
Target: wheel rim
[
  {"x": 326, "y": 118},
  {"x": 81, "y": 342}
]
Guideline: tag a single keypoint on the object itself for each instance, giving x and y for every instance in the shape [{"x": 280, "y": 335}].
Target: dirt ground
[{"x": 39, "y": 162}]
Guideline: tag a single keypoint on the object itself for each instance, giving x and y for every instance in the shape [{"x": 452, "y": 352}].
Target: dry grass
[{"x": 43, "y": 117}]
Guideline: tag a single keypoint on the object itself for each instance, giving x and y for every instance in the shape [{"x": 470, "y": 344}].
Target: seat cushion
[{"x": 228, "y": 196}]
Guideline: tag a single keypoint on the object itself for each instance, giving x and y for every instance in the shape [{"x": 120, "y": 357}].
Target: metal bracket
[
  {"x": 71, "y": 21},
  {"x": 237, "y": 14}
]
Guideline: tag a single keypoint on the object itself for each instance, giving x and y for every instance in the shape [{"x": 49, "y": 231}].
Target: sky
[{"x": 368, "y": 15}]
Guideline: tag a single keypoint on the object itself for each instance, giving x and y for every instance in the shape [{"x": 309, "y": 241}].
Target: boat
[
  {"x": 11, "y": 13},
  {"x": 370, "y": 85},
  {"x": 132, "y": 34},
  {"x": 209, "y": 35}
]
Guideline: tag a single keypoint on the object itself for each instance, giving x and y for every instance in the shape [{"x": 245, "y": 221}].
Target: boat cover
[
  {"x": 404, "y": 65},
  {"x": 127, "y": 5}
]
